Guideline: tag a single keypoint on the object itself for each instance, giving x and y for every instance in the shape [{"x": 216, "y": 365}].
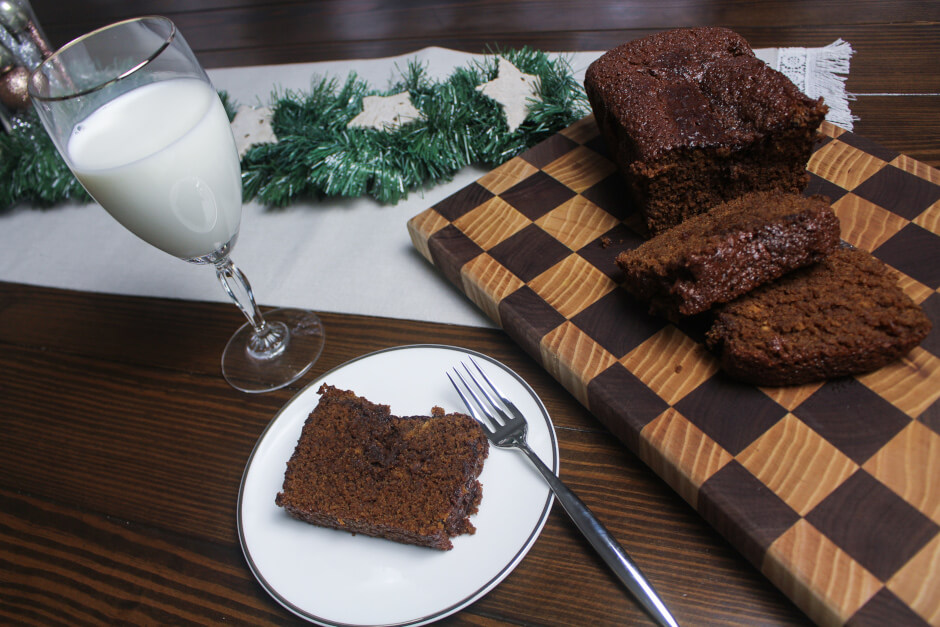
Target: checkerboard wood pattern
[{"x": 832, "y": 490}]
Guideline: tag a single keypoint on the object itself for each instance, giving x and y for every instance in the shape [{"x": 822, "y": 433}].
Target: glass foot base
[{"x": 248, "y": 373}]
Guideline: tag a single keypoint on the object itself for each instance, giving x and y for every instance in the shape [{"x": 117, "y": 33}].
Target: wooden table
[{"x": 122, "y": 447}]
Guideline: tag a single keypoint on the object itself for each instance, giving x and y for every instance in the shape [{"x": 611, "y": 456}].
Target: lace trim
[{"x": 822, "y": 72}]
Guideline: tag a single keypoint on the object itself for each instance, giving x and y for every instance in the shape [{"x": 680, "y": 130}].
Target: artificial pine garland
[
  {"x": 318, "y": 155},
  {"x": 31, "y": 169}
]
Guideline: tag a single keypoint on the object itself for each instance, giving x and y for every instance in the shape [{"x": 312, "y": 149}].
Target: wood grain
[
  {"x": 120, "y": 470},
  {"x": 122, "y": 448},
  {"x": 908, "y": 124}
]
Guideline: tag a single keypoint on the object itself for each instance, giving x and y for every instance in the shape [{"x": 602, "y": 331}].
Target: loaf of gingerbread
[{"x": 693, "y": 118}]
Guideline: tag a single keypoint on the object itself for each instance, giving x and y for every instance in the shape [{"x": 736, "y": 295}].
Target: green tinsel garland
[
  {"x": 317, "y": 155},
  {"x": 31, "y": 169}
]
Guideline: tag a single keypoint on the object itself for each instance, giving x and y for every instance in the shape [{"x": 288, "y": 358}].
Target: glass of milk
[{"x": 137, "y": 120}]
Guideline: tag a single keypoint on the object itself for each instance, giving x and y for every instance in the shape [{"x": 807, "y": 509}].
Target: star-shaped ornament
[
  {"x": 385, "y": 113},
  {"x": 251, "y": 127},
  {"x": 513, "y": 90}
]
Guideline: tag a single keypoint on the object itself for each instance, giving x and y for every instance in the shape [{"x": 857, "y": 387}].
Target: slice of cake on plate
[{"x": 358, "y": 468}]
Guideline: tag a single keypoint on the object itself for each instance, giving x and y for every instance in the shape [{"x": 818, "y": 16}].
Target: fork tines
[{"x": 491, "y": 412}]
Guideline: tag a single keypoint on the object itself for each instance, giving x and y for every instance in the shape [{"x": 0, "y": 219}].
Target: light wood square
[
  {"x": 671, "y": 363},
  {"x": 930, "y": 219},
  {"x": 577, "y": 222},
  {"x": 864, "y": 224},
  {"x": 918, "y": 581},
  {"x": 502, "y": 177},
  {"x": 912, "y": 287},
  {"x": 681, "y": 453},
  {"x": 487, "y": 282},
  {"x": 571, "y": 285},
  {"x": 910, "y": 465},
  {"x": 911, "y": 383},
  {"x": 917, "y": 168},
  {"x": 580, "y": 169},
  {"x": 422, "y": 227},
  {"x": 790, "y": 396},
  {"x": 573, "y": 358},
  {"x": 844, "y": 165},
  {"x": 822, "y": 579},
  {"x": 830, "y": 129},
  {"x": 492, "y": 222},
  {"x": 798, "y": 464}
]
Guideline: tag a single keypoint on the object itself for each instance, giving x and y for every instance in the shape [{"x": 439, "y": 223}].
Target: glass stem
[{"x": 266, "y": 341}]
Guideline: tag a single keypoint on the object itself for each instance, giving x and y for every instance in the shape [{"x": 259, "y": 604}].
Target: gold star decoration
[
  {"x": 386, "y": 112},
  {"x": 513, "y": 90}
]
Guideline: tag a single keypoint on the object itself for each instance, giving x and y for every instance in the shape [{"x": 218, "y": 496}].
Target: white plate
[{"x": 331, "y": 577}]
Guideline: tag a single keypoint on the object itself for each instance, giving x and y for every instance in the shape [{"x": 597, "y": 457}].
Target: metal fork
[{"x": 506, "y": 427}]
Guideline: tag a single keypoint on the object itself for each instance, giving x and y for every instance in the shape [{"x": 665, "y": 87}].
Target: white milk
[{"x": 161, "y": 159}]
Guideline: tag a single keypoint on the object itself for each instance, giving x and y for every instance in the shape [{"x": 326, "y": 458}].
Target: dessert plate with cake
[{"x": 337, "y": 513}]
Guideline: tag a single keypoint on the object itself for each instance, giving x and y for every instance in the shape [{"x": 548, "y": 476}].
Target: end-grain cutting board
[{"x": 832, "y": 490}]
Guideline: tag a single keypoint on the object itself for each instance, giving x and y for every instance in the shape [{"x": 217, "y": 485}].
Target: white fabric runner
[{"x": 349, "y": 256}]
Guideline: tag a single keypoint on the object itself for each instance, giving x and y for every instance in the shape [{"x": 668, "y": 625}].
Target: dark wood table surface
[{"x": 122, "y": 448}]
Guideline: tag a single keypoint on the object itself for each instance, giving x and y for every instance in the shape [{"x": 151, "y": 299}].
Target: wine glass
[{"x": 138, "y": 122}]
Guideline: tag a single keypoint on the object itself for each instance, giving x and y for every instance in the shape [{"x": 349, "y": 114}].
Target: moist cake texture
[
  {"x": 845, "y": 315},
  {"x": 719, "y": 255},
  {"x": 411, "y": 479},
  {"x": 692, "y": 118}
]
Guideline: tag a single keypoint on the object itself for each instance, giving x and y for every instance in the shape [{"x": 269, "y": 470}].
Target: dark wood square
[
  {"x": 875, "y": 526},
  {"x": 530, "y": 252},
  {"x": 821, "y": 140},
  {"x": 451, "y": 249},
  {"x": 898, "y": 191},
  {"x": 931, "y": 417},
  {"x": 852, "y": 417},
  {"x": 537, "y": 195},
  {"x": 602, "y": 252},
  {"x": 730, "y": 413},
  {"x": 696, "y": 326},
  {"x": 931, "y": 307},
  {"x": 458, "y": 204},
  {"x": 598, "y": 145},
  {"x": 819, "y": 185},
  {"x": 742, "y": 508},
  {"x": 527, "y": 317},
  {"x": 913, "y": 251},
  {"x": 611, "y": 195},
  {"x": 623, "y": 403},
  {"x": 603, "y": 321},
  {"x": 547, "y": 151},
  {"x": 885, "y": 608}
]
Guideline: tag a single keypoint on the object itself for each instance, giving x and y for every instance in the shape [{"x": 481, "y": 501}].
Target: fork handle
[{"x": 604, "y": 543}]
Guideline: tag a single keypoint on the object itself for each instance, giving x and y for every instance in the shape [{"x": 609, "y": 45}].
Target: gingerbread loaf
[
  {"x": 719, "y": 255},
  {"x": 693, "y": 118},
  {"x": 358, "y": 468},
  {"x": 845, "y": 315}
]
